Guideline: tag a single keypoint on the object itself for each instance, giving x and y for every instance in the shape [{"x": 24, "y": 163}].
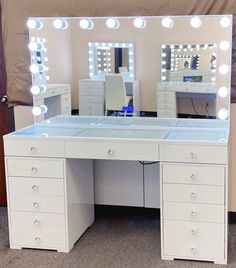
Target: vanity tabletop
[{"x": 128, "y": 128}]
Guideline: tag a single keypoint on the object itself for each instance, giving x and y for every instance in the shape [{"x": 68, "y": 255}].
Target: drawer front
[
  {"x": 119, "y": 151},
  {"x": 31, "y": 203},
  {"x": 93, "y": 99},
  {"x": 194, "y": 231},
  {"x": 170, "y": 106},
  {"x": 94, "y": 88},
  {"x": 165, "y": 86},
  {"x": 166, "y": 100},
  {"x": 39, "y": 239},
  {"x": 193, "y": 212},
  {"x": 193, "y": 174},
  {"x": 166, "y": 94},
  {"x": 66, "y": 102},
  {"x": 34, "y": 148},
  {"x": 35, "y": 167},
  {"x": 205, "y": 250},
  {"x": 30, "y": 221},
  {"x": 166, "y": 112},
  {"x": 36, "y": 186},
  {"x": 91, "y": 108},
  {"x": 193, "y": 193},
  {"x": 193, "y": 153}
]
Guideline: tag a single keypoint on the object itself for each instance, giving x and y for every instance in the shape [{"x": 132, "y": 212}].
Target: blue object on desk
[{"x": 129, "y": 109}]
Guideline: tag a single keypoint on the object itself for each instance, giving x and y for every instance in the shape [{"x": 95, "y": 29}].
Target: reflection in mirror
[
  {"x": 189, "y": 63},
  {"x": 170, "y": 66},
  {"x": 110, "y": 58}
]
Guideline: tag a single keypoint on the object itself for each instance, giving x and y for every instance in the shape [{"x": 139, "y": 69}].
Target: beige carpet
[{"x": 114, "y": 242}]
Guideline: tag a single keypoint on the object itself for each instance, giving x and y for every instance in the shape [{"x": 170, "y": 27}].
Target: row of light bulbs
[{"x": 114, "y": 23}]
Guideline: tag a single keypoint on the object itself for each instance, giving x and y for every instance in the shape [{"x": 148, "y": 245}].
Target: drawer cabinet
[
  {"x": 194, "y": 207},
  {"x": 91, "y": 97},
  {"x": 36, "y": 196}
]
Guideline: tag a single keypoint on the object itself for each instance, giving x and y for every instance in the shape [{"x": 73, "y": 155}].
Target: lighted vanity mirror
[
  {"x": 69, "y": 74},
  {"x": 108, "y": 58},
  {"x": 189, "y": 63}
]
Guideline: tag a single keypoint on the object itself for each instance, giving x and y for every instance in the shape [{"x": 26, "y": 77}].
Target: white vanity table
[
  {"x": 92, "y": 96},
  {"x": 50, "y": 180}
]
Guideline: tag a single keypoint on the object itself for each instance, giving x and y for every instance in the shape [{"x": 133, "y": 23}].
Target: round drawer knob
[
  {"x": 193, "y": 214},
  {"x": 34, "y": 169},
  {"x": 193, "y": 231},
  {"x": 110, "y": 152},
  {"x": 35, "y": 205},
  {"x": 193, "y": 155},
  {"x": 37, "y": 240},
  {"x": 193, "y": 251},
  {"x": 33, "y": 149},
  {"x": 35, "y": 187},
  {"x": 36, "y": 222},
  {"x": 193, "y": 195},
  {"x": 193, "y": 176}
]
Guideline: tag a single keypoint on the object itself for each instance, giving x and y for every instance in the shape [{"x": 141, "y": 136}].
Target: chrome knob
[
  {"x": 193, "y": 155},
  {"x": 33, "y": 149},
  {"x": 35, "y": 205},
  {"x": 36, "y": 222},
  {"x": 193, "y": 231},
  {"x": 110, "y": 152},
  {"x": 37, "y": 240},
  {"x": 34, "y": 169},
  {"x": 192, "y": 176},
  {"x": 193, "y": 250},
  {"x": 35, "y": 187},
  {"x": 193, "y": 195},
  {"x": 193, "y": 213}
]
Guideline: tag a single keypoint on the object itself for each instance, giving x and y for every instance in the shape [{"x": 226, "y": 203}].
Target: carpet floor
[{"x": 114, "y": 242}]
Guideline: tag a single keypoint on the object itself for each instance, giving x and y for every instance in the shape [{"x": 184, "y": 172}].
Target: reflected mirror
[{"x": 145, "y": 66}]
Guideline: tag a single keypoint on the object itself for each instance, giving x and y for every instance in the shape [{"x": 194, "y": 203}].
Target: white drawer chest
[
  {"x": 50, "y": 183},
  {"x": 92, "y": 96}
]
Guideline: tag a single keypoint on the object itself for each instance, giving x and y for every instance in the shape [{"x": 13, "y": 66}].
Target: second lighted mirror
[{"x": 152, "y": 66}]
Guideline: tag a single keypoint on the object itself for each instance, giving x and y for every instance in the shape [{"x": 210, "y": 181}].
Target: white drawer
[
  {"x": 165, "y": 86},
  {"x": 166, "y": 100},
  {"x": 34, "y": 148},
  {"x": 31, "y": 203},
  {"x": 194, "y": 230},
  {"x": 193, "y": 153},
  {"x": 199, "y": 250},
  {"x": 193, "y": 212},
  {"x": 31, "y": 221},
  {"x": 39, "y": 239},
  {"x": 91, "y": 108},
  {"x": 93, "y": 99},
  {"x": 166, "y": 94},
  {"x": 119, "y": 151},
  {"x": 193, "y": 174},
  {"x": 194, "y": 193},
  {"x": 166, "y": 113},
  {"x": 170, "y": 106},
  {"x": 35, "y": 167},
  {"x": 36, "y": 186},
  {"x": 92, "y": 84}
]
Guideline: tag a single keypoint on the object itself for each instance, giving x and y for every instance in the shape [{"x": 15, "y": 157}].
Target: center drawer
[
  {"x": 36, "y": 186},
  {"x": 193, "y": 193},
  {"x": 116, "y": 151},
  {"x": 35, "y": 167}
]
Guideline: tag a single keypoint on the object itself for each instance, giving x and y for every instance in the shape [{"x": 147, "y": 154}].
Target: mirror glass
[{"x": 168, "y": 67}]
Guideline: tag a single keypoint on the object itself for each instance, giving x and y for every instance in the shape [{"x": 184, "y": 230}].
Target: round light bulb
[
  {"x": 224, "y": 45},
  {"x": 34, "y": 68},
  {"x": 167, "y": 22},
  {"x": 34, "y": 24},
  {"x": 223, "y": 114},
  {"x": 225, "y": 22},
  {"x": 33, "y": 46},
  {"x": 86, "y": 24},
  {"x": 36, "y": 111},
  {"x": 223, "y": 92},
  {"x": 223, "y": 69},
  {"x": 195, "y": 22},
  {"x": 140, "y": 23},
  {"x": 36, "y": 90},
  {"x": 60, "y": 24},
  {"x": 163, "y": 78},
  {"x": 112, "y": 23}
]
